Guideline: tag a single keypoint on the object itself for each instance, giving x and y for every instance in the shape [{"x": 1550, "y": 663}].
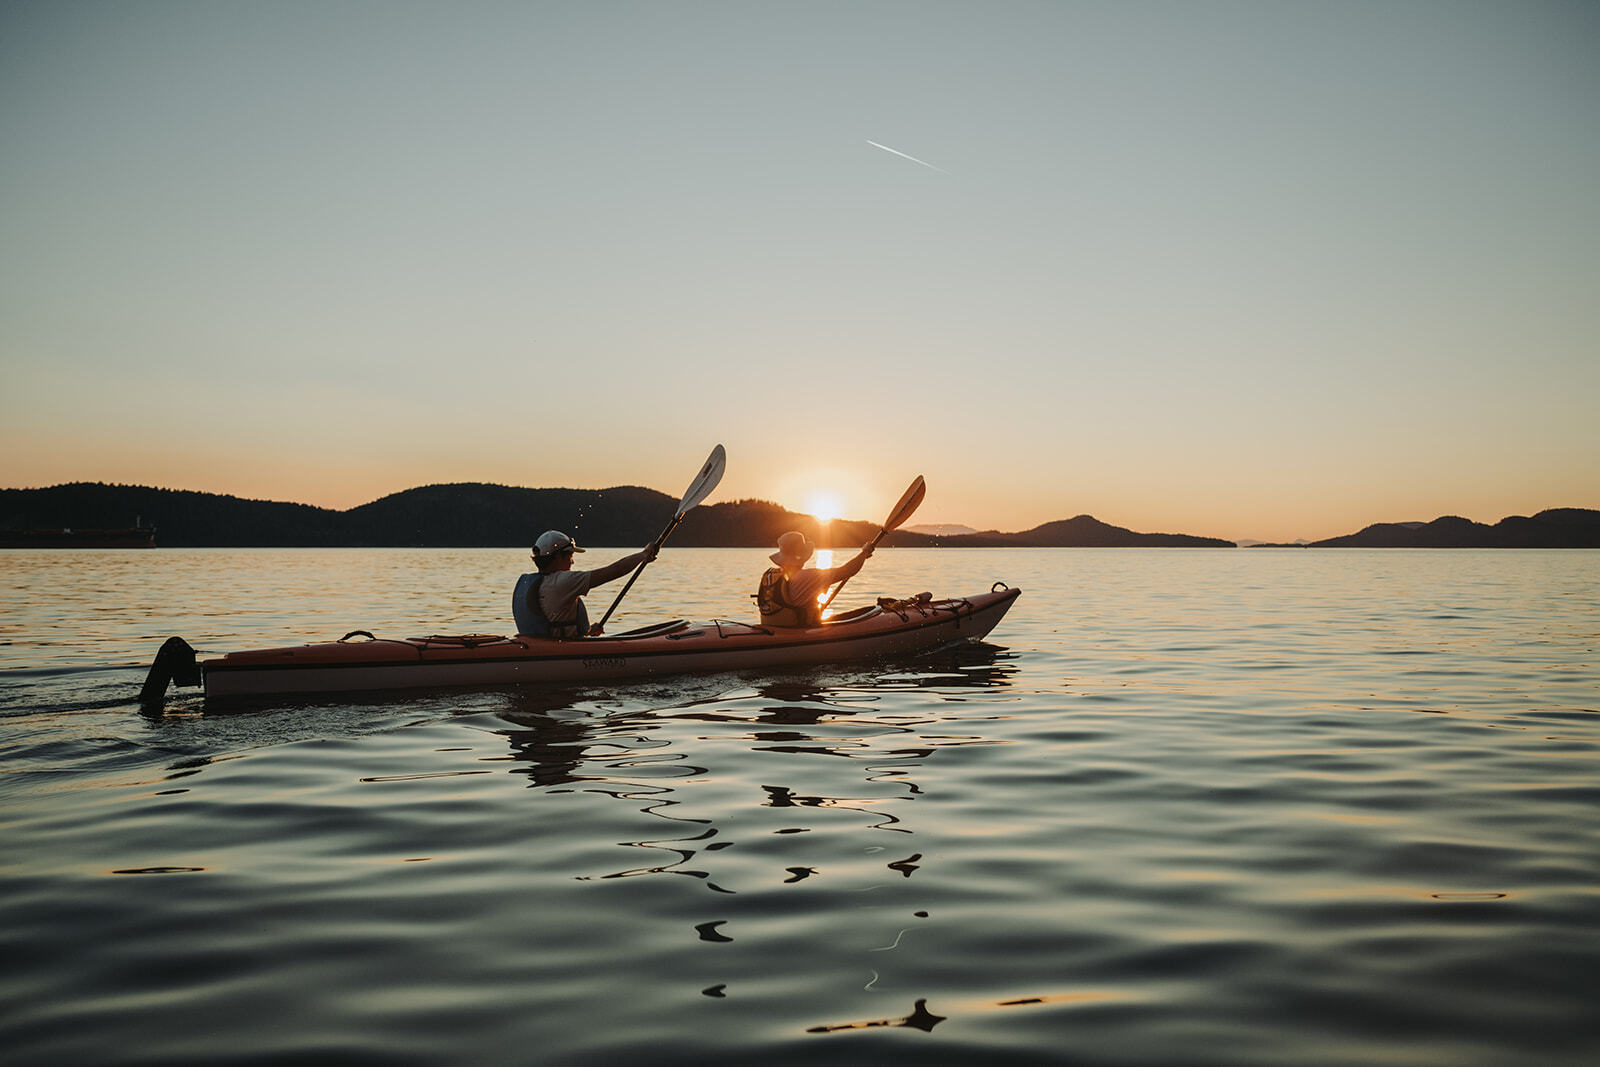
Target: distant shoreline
[{"x": 482, "y": 515}]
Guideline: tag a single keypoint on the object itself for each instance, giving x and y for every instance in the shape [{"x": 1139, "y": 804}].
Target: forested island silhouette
[{"x": 482, "y": 515}]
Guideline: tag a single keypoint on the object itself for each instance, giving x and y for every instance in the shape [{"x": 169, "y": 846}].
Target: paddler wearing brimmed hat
[
  {"x": 790, "y": 593},
  {"x": 549, "y": 603}
]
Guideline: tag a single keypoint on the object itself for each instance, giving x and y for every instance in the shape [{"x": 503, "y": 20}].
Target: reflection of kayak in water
[{"x": 359, "y": 661}]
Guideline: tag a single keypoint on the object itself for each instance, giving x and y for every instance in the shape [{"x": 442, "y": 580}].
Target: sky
[{"x": 1267, "y": 269}]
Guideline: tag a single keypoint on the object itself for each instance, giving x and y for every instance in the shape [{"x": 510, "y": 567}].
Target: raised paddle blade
[
  {"x": 908, "y": 504},
  {"x": 704, "y": 482},
  {"x": 902, "y": 511},
  {"x": 699, "y": 489}
]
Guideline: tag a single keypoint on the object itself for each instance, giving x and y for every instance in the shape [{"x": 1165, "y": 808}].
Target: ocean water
[{"x": 1183, "y": 807}]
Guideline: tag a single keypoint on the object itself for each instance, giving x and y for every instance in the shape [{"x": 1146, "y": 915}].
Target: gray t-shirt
[
  {"x": 812, "y": 582},
  {"x": 559, "y": 592}
]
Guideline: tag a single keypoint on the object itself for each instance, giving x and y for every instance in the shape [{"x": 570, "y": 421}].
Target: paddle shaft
[
  {"x": 871, "y": 544},
  {"x": 657, "y": 543},
  {"x": 699, "y": 489},
  {"x": 909, "y": 502}
]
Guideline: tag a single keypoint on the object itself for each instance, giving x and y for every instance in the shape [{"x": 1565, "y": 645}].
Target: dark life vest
[
  {"x": 778, "y": 606},
  {"x": 530, "y": 616}
]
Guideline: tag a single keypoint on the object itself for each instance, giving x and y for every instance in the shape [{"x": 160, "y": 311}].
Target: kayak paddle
[
  {"x": 698, "y": 490},
  {"x": 902, "y": 511}
]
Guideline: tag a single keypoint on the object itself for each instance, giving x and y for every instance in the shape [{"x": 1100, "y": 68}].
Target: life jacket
[
  {"x": 530, "y": 616},
  {"x": 779, "y": 608}
]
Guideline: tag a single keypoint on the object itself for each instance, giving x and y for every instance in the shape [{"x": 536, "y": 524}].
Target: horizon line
[{"x": 761, "y": 500}]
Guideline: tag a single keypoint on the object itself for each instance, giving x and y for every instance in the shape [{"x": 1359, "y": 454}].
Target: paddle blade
[
  {"x": 705, "y": 481},
  {"x": 908, "y": 504}
]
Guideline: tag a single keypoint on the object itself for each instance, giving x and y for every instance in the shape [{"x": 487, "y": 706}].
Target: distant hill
[
  {"x": 470, "y": 514},
  {"x": 1555, "y": 528},
  {"x": 464, "y": 515},
  {"x": 181, "y": 518},
  {"x": 475, "y": 514},
  {"x": 1085, "y": 531},
  {"x": 758, "y": 524},
  {"x": 940, "y": 529}
]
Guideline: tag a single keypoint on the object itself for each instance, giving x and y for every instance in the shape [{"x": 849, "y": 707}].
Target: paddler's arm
[
  {"x": 602, "y": 575},
  {"x": 851, "y": 567}
]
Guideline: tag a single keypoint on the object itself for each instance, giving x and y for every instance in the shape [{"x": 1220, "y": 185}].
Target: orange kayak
[{"x": 360, "y": 662}]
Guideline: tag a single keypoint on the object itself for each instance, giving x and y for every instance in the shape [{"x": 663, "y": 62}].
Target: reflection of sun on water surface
[
  {"x": 823, "y": 560},
  {"x": 825, "y": 505}
]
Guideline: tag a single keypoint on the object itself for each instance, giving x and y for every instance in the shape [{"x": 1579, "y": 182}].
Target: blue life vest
[
  {"x": 530, "y": 616},
  {"x": 525, "y": 607}
]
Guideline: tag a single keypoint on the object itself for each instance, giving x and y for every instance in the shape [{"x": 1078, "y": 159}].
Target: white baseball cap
[{"x": 552, "y": 542}]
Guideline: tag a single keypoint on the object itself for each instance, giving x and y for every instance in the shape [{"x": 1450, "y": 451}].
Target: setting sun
[{"x": 825, "y": 505}]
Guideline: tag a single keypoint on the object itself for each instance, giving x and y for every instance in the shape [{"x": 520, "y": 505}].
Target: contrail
[{"x": 913, "y": 159}]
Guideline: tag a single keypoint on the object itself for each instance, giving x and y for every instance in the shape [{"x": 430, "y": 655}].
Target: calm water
[{"x": 1187, "y": 807}]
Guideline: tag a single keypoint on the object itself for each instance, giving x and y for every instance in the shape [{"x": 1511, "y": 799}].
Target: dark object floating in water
[{"x": 919, "y": 1019}]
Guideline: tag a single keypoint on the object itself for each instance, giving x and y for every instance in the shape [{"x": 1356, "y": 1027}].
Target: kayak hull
[{"x": 375, "y": 664}]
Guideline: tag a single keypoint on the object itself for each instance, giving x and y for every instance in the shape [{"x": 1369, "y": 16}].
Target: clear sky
[{"x": 1243, "y": 268}]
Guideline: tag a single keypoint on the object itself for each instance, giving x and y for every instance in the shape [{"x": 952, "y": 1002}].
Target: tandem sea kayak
[{"x": 361, "y": 662}]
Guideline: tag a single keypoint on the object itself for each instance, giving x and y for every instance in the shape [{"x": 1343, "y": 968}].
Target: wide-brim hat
[{"x": 793, "y": 545}]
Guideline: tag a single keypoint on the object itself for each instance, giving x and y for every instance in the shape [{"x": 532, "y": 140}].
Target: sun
[{"x": 824, "y": 504}]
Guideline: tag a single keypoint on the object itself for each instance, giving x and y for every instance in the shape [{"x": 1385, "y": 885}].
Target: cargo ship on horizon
[{"x": 136, "y": 536}]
